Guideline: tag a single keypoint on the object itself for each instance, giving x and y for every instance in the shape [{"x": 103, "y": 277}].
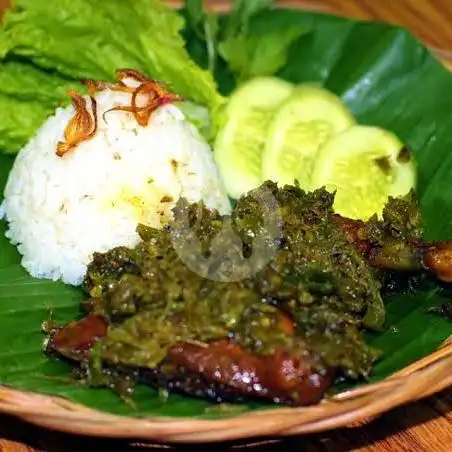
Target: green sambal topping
[{"x": 177, "y": 284}]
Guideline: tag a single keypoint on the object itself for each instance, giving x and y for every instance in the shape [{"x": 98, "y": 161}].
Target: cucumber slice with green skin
[
  {"x": 364, "y": 165},
  {"x": 302, "y": 124},
  {"x": 240, "y": 143}
]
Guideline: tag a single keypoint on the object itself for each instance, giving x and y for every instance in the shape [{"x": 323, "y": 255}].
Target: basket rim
[{"x": 350, "y": 408}]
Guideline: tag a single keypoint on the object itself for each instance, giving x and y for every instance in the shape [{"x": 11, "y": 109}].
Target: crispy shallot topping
[
  {"x": 94, "y": 86},
  {"x": 122, "y": 74},
  {"x": 151, "y": 94},
  {"x": 81, "y": 127},
  {"x": 146, "y": 98}
]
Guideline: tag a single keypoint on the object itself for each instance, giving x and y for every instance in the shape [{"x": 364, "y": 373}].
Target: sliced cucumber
[
  {"x": 240, "y": 142},
  {"x": 364, "y": 165},
  {"x": 302, "y": 124}
]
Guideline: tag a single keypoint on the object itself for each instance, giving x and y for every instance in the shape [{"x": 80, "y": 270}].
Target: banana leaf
[{"x": 387, "y": 78}]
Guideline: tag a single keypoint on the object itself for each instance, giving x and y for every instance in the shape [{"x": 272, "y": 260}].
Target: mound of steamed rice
[{"x": 62, "y": 209}]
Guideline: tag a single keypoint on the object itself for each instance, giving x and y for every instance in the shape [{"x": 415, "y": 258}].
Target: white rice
[{"x": 61, "y": 210}]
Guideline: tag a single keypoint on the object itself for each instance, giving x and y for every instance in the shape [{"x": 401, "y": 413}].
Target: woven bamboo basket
[
  {"x": 351, "y": 408},
  {"x": 348, "y": 409}
]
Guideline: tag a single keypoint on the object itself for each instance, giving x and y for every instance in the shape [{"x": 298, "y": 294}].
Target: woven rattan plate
[{"x": 421, "y": 379}]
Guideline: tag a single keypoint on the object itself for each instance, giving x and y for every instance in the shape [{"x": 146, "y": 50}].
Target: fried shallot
[{"x": 146, "y": 97}]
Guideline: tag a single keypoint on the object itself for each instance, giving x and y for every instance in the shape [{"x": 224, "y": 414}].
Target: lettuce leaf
[
  {"x": 199, "y": 116},
  {"x": 92, "y": 38},
  {"x": 27, "y": 97}
]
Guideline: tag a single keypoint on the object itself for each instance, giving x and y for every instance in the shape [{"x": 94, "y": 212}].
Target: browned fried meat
[
  {"x": 282, "y": 376},
  {"x": 404, "y": 254},
  {"x": 220, "y": 369}
]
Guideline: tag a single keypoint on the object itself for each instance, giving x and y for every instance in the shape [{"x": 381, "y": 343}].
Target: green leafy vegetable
[
  {"x": 206, "y": 27},
  {"x": 261, "y": 47},
  {"x": 196, "y": 13},
  {"x": 92, "y": 39},
  {"x": 241, "y": 13},
  {"x": 48, "y": 46},
  {"x": 249, "y": 43},
  {"x": 199, "y": 116},
  {"x": 27, "y": 97}
]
